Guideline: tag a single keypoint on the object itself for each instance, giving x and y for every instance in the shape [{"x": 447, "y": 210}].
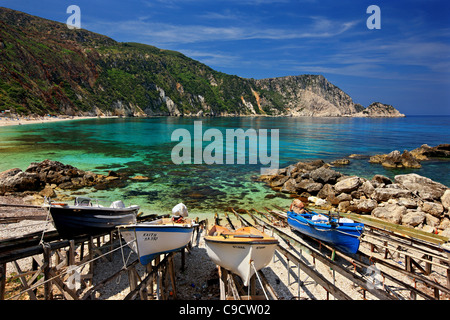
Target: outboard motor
[
  {"x": 179, "y": 212},
  {"x": 333, "y": 219}
]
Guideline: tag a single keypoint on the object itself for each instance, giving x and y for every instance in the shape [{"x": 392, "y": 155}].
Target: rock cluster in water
[
  {"x": 45, "y": 177},
  {"x": 410, "y": 199},
  {"x": 411, "y": 159}
]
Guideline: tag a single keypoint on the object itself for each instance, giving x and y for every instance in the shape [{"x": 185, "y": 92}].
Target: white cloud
[{"x": 160, "y": 33}]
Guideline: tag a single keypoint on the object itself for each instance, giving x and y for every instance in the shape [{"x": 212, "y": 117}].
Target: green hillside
[{"x": 47, "y": 68}]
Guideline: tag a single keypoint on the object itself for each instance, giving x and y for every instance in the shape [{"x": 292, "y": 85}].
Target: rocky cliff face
[
  {"x": 48, "y": 69},
  {"x": 314, "y": 96}
]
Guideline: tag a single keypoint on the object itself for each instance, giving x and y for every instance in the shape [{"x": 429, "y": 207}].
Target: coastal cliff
[{"x": 50, "y": 69}]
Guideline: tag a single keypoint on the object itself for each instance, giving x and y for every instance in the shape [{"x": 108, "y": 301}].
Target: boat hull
[
  {"x": 71, "y": 221},
  {"x": 148, "y": 241},
  {"x": 238, "y": 257},
  {"x": 344, "y": 236}
]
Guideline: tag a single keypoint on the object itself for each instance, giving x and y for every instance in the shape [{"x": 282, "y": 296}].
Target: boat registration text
[{"x": 150, "y": 236}]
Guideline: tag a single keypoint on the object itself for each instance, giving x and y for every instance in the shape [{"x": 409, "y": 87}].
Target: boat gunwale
[
  {"x": 344, "y": 226},
  {"x": 154, "y": 224},
  {"x": 241, "y": 241},
  {"x": 87, "y": 208}
]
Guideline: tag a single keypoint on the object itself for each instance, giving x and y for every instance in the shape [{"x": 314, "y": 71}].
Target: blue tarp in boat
[{"x": 342, "y": 235}]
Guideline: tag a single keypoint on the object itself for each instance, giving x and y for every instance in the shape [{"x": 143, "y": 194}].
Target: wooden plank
[
  {"x": 90, "y": 292},
  {"x": 412, "y": 245},
  {"x": 267, "y": 285},
  {"x": 402, "y": 230},
  {"x": 223, "y": 276},
  {"x": 133, "y": 294},
  {"x": 46, "y": 268},
  {"x": 63, "y": 288},
  {"x": 233, "y": 288},
  {"x": 172, "y": 277},
  {"x": 318, "y": 278},
  {"x": 24, "y": 282},
  {"x": 415, "y": 276}
]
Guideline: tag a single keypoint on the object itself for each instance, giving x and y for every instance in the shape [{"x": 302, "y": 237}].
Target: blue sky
[{"x": 406, "y": 63}]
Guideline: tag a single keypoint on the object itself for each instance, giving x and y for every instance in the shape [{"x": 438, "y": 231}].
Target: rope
[
  {"x": 41, "y": 242},
  {"x": 63, "y": 273},
  {"x": 316, "y": 227},
  {"x": 123, "y": 256}
]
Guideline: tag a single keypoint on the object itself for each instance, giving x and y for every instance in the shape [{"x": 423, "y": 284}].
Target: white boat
[
  {"x": 152, "y": 238},
  {"x": 242, "y": 251}
]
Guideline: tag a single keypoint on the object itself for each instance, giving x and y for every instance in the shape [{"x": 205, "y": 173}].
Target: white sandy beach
[{"x": 22, "y": 121}]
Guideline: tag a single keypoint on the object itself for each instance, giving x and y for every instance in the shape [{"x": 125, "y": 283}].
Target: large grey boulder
[
  {"x": 390, "y": 212},
  {"x": 384, "y": 194},
  {"x": 413, "y": 218},
  {"x": 445, "y": 199},
  {"x": 364, "y": 205},
  {"x": 433, "y": 208},
  {"x": 325, "y": 175},
  {"x": 426, "y": 188},
  {"x": 347, "y": 185}
]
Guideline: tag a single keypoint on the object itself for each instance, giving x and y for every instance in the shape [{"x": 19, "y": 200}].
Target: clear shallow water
[{"x": 144, "y": 146}]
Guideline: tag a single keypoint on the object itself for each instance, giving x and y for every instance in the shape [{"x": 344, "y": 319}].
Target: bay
[{"x": 143, "y": 146}]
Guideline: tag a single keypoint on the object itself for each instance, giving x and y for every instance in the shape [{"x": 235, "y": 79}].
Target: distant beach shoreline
[{"x": 4, "y": 122}]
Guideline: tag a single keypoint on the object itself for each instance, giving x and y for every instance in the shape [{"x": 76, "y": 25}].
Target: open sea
[{"x": 143, "y": 146}]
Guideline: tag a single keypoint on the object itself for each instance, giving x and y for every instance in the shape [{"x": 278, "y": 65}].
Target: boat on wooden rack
[
  {"x": 151, "y": 238},
  {"x": 243, "y": 251},
  {"x": 88, "y": 217},
  {"x": 341, "y": 233}
]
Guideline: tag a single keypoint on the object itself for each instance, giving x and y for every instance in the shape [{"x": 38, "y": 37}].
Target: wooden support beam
[
  {"x": 46, "y": 268},
  {"x": 448, "y": 278},
  {"x": 155, "y": 271},
  {"x": 223, "y": 279},
  {"x": 24, "y": 283},
  {"x": 172, "y": 277},
  {"x": 425, "y": 280},
  {"x": 232, "y": 286},
  {"x": 2, "y": 280}
]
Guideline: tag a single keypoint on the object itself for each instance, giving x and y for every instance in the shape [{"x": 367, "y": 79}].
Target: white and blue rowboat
[
  {"x": 343, "y": 234},
  {"x": 152, "y": 238}
]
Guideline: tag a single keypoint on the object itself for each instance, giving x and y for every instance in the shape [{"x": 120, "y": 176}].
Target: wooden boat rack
[{"x": 394, "y": 249}]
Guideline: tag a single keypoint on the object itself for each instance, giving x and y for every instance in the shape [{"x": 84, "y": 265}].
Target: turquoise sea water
[{"x": 143, "y": 146}]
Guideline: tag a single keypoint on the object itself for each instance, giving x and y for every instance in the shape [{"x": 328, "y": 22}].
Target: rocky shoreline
[
  {"x": 410, "y": 199},
  {"x": 44, "y": 179}
]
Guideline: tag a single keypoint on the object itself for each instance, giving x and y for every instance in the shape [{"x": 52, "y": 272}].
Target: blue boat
[{"x": 342, "y": 234}]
